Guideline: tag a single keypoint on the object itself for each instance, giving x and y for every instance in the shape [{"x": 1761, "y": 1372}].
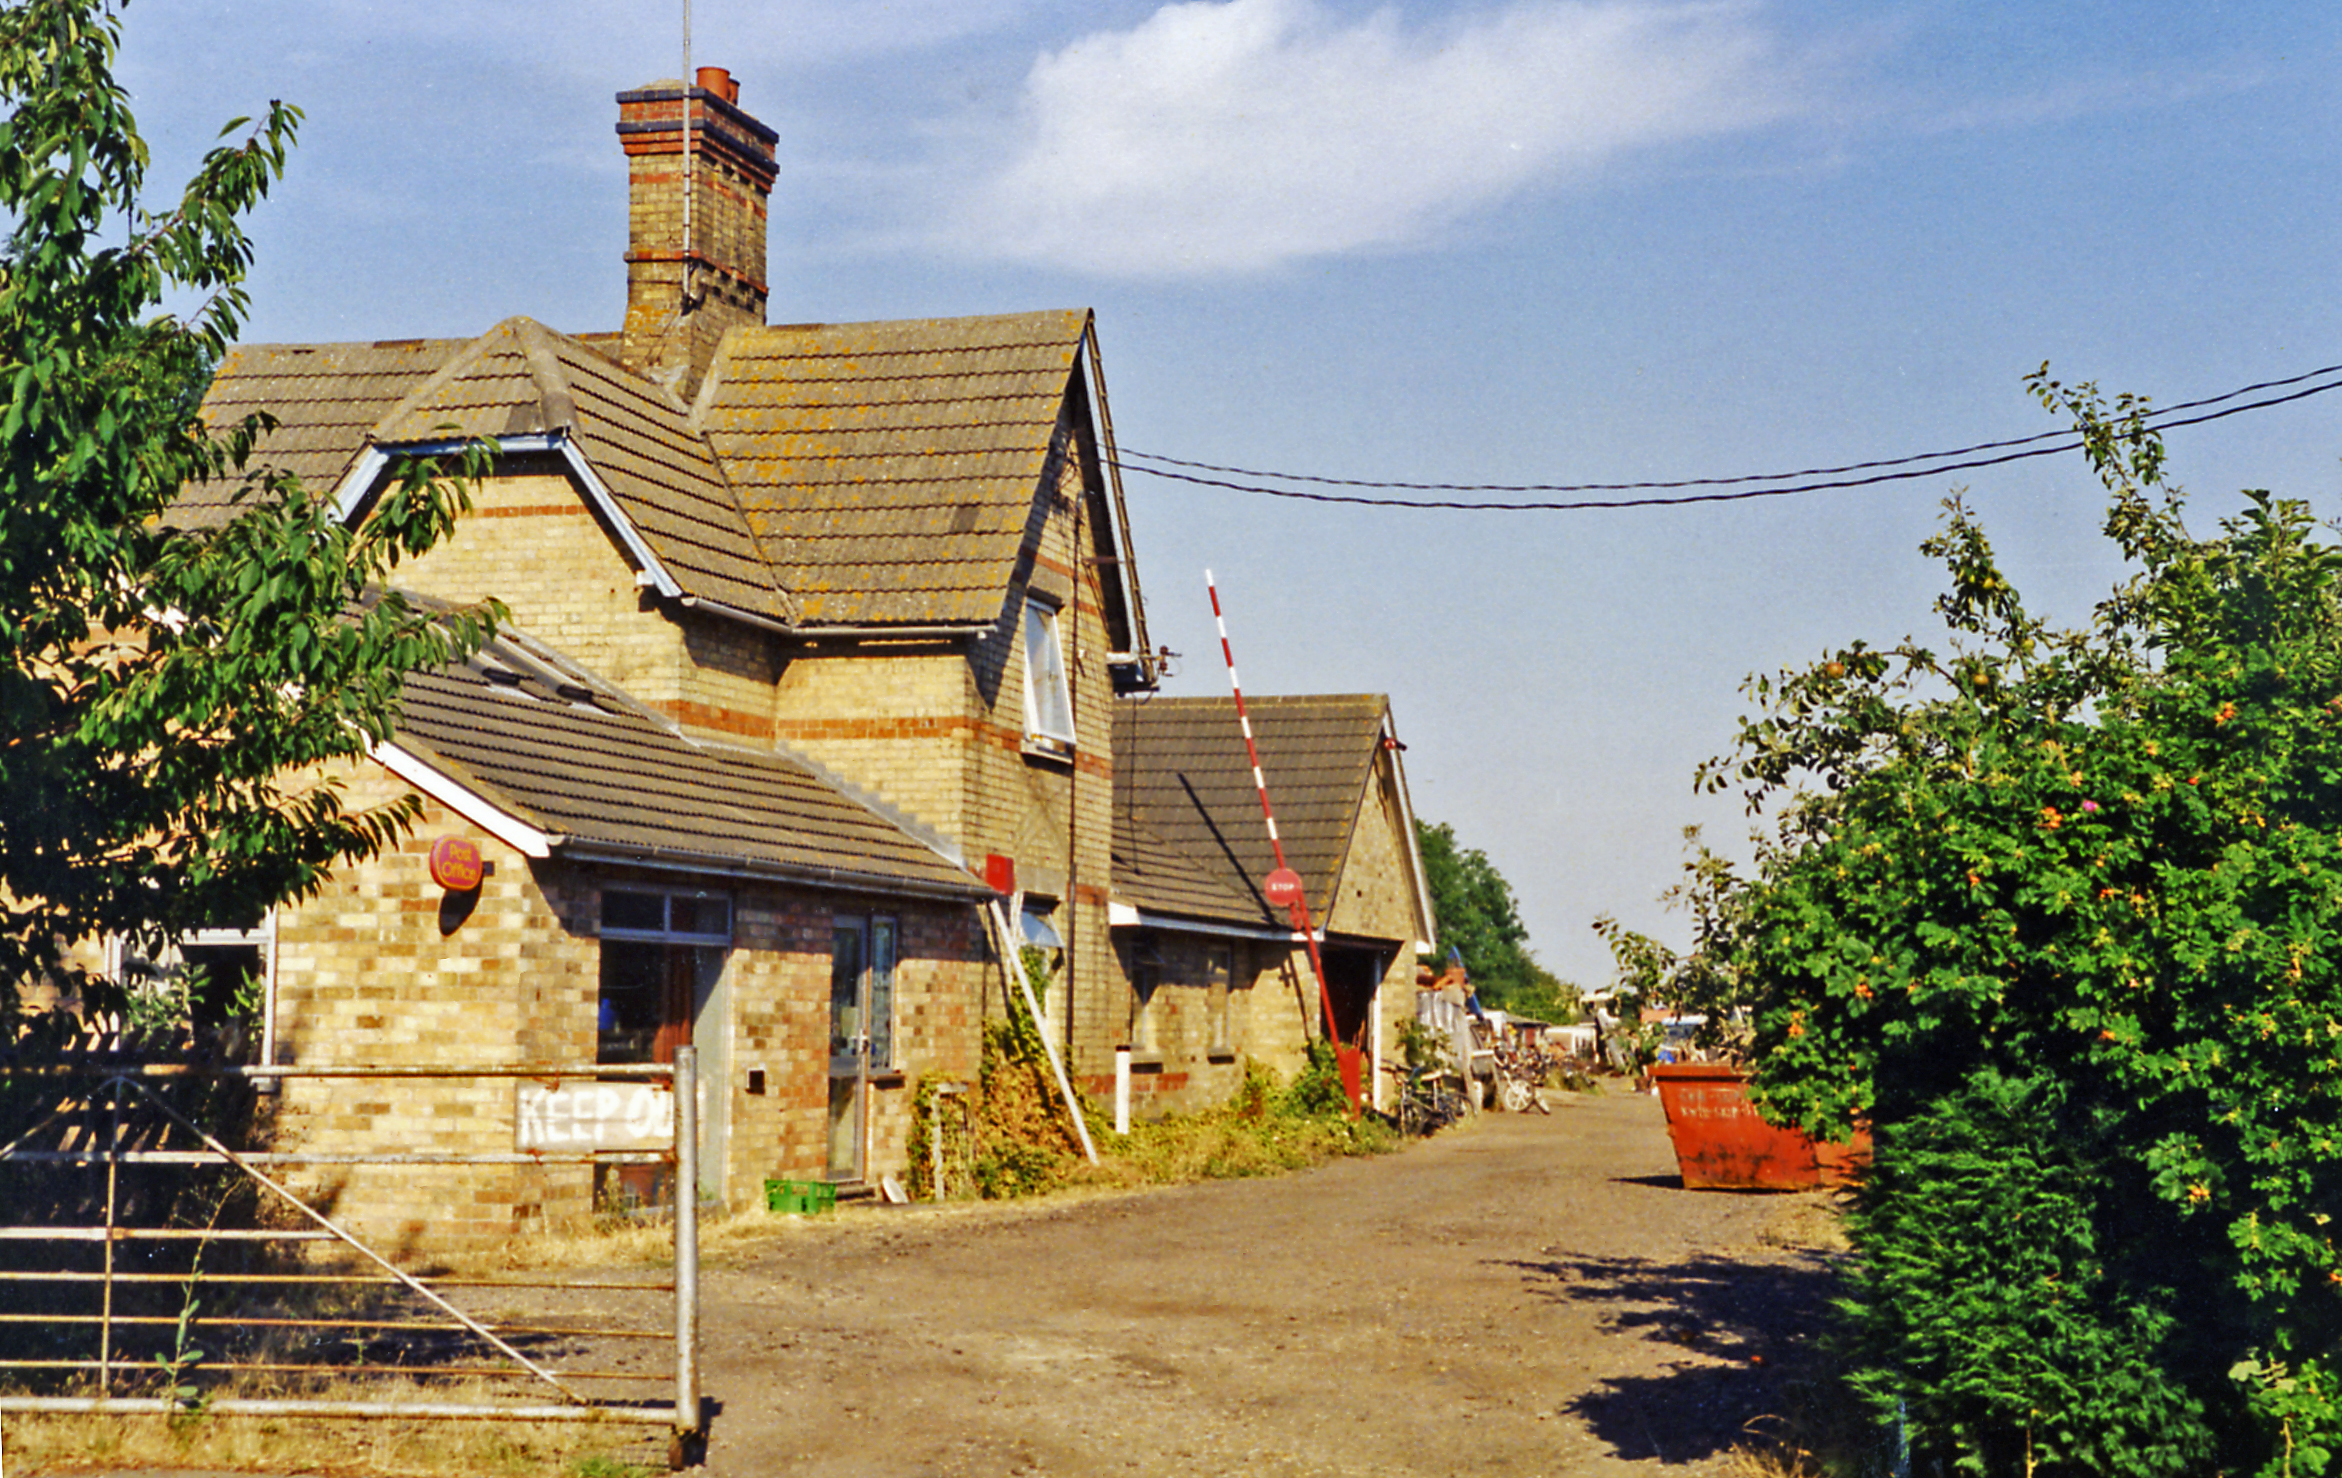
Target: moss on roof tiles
[
  {"x": 1182, "y": 775},
  {"x": 609, "y": 777},
  {"x": 663, "y": 476},
  {"x": 827, "y": 429},
  {"x": 324, "y": 398},
  {"x": 886, "y": 470}
]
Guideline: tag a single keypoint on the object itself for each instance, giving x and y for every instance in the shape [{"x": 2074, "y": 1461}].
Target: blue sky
[{"x": 1506, "y": 243}]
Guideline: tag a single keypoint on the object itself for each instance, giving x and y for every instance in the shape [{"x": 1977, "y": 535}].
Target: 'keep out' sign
[{"x": 581, "y": 1114}]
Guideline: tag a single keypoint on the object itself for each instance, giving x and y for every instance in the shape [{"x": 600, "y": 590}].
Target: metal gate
[{"x": 112, "y": 1345}]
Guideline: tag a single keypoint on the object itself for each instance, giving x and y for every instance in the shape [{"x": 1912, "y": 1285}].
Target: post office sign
[{"x": 456, "y": 864}]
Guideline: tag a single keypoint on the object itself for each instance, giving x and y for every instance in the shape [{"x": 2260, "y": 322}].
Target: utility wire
[{"x": 1935, "y": 464}]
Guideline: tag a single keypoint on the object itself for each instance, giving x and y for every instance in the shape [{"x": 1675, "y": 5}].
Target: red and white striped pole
[{"x": 1284, "y": 885}]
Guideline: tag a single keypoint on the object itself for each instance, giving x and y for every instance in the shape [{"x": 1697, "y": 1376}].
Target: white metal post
[
  {"x": 686, "y": 1084},
  {"x": 1122, "y": 1090}
]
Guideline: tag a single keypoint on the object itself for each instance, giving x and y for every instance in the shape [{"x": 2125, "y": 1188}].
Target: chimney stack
[{"x": 681, "y": 295}]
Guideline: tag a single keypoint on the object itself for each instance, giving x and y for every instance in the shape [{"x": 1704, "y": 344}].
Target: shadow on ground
[{"x": 1755, "y": 1324}]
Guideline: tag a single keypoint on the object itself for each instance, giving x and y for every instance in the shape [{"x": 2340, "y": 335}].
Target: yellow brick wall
[
  {"x": 938, "y": 731},
  {"x": 372, "y": 971},
  {"x": 1281, "y": 1008},
  {"x": 898, "y": 722},
  {"x": 1059, "y": 816},
  {"x": 1177, "y": 1065},
  {"x": 532, "y": 541},
  {"x": 724, "y": 681},
  {"x": 780, "y": 977}
]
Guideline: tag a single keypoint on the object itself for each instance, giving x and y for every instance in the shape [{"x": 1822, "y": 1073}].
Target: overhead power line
[{"x": 1893, "y": 469}]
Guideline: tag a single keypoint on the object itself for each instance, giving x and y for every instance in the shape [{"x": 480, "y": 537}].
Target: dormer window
[{"x": 1048, "y": 700}]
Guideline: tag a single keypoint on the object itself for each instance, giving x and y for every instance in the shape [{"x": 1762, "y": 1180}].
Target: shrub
[
  {"x": 2057, "y": 912},
  {"x": 1316, "y": 1091}
]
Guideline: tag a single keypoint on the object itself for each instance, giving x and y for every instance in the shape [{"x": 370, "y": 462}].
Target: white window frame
[
  {"x": 667, "y": 934},
  {"x": 703, "y": 943},
  {"x": 869, "y": 927},
  {"x": 1045, "y": 669}
]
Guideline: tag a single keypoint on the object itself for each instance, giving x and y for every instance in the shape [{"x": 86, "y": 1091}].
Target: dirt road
[{"x": 1519, "y": 1296}]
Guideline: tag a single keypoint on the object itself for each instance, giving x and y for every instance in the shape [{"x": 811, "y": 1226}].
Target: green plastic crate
[{"x": 800, "y": 1197}]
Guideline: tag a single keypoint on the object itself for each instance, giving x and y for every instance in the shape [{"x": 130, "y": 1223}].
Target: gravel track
[{"x": 1521, "y": 1295}]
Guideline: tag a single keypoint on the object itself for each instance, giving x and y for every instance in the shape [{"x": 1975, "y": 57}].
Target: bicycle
[{"x": 1428, "y": 1100}]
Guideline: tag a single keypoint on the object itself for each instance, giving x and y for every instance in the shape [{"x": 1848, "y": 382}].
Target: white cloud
[{"x": 1236, "y": 135}]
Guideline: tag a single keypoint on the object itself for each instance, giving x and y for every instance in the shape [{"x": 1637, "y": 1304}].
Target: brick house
[
  {"x": 823, "y": 644},
  {"x": 1217, "y": 975}
]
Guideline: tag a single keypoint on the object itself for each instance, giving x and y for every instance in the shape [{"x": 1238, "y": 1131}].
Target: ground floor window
[
  {"x": 1142, "y": 966},
  {"x": 213, "y": 982},
  {"x": 662, "y": 960},
  {"x": 1219, "y": 971}
]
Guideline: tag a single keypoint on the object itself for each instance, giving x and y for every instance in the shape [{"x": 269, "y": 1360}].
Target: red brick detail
[
  {"x": 535, "y": 510},
  {"x": 943, "y": 727},
  {"x": 1142, "y": 1082},
  {"x": 957, "y": 727},
  {"x": 700, "y": 258},
  {"x": 708, "y": 716}
]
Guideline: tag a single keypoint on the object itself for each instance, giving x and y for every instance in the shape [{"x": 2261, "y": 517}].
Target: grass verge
[{"x": 196, "y": 1439}]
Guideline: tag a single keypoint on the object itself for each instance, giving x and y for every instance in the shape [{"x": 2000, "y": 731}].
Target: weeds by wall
[{"x": 1013, "y": 1137}]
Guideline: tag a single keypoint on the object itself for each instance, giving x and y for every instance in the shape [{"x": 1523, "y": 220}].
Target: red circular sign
[
  {"x": 1282, "y": 887},
  {"x": 455, "y": 864}
]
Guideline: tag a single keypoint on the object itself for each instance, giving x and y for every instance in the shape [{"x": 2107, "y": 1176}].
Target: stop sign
[{"x": 1282, "y": 887}]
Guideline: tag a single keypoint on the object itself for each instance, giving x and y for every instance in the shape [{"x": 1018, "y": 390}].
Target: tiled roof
[
  {"x": 1183, "y": 784},
  {"x": 1152, "y": 874},
  {"x": 569, "y": 755},
  {"x": 888, "y": 469},
  {"x": 520, "y": 377},
  {"x": 325, "y": 398},
  {"x": 873, "y": 474}
]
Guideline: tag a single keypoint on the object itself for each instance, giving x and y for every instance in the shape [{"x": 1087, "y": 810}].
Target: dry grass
[
  {"x": 47, "y": 1443},
  {"x": 1775, "y": 1460},
  {"x": 1821, "y": 1433},
  {"x": 1228, "y": 1143}
]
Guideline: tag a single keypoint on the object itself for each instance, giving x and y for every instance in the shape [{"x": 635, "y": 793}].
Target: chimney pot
[{"x": 683, "y": 292}]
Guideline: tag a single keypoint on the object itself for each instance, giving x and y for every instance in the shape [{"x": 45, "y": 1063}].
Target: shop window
[
  {"x": 1048, "y": 699},
  {"x": 662, "y": 956}
]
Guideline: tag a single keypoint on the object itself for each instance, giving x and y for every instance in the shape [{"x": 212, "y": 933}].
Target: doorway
[
  {"x": 861, "y": 1033},
  {"x": 1352, "y": 978}
]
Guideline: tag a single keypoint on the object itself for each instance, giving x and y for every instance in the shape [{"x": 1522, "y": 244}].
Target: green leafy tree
[
  {"x": 168, "y": 690},
  {"x": 1478, "y": 917},
  {"x": 2057, "y": 912},
  {"x": 1707, "y": 980}
]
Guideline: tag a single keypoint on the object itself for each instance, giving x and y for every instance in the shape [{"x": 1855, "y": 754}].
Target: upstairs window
[{"x": 1048, "y": 701}]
